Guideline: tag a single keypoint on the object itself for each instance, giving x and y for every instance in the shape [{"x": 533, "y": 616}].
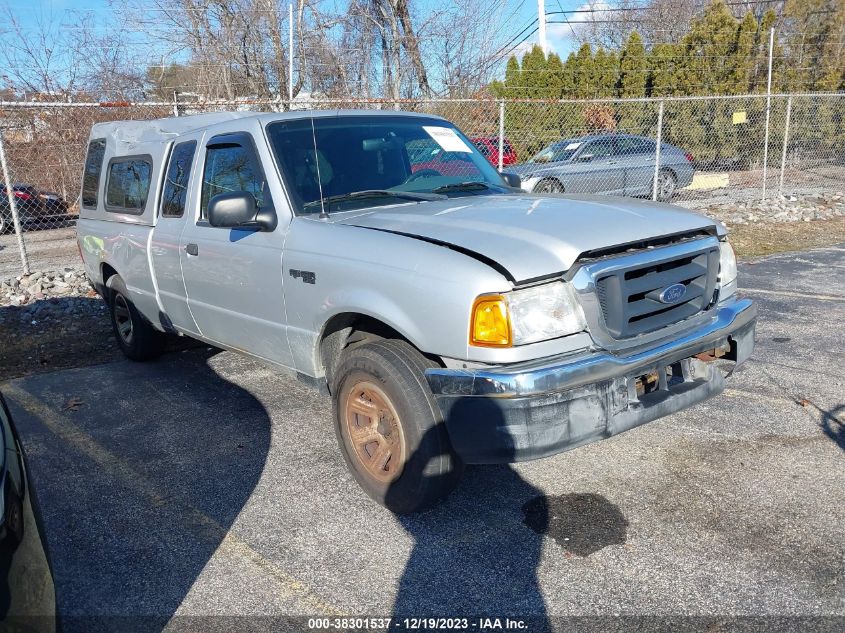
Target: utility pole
[
  {"x": 290, "y": 55},
  {"x": 541, "y": 16}
]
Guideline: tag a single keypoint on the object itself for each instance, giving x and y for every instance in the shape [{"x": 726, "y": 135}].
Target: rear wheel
[
  {"x": 137, "y": 339},
  {"x": 666, "y": 185},
  {"x": 390, "y": 428},
  {"x": 549, "y": 185}
]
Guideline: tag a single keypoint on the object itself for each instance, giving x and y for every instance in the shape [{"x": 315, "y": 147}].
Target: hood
[{"x": 531, "y": 236}]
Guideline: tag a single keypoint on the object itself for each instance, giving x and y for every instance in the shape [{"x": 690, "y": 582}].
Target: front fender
[{"x": 421, "y": 290}]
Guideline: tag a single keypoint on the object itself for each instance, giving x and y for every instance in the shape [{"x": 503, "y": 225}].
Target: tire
[
  {"x": 137, "y": 339},
  {"x": 667, "y": 182},
  {"x": 5, "y": 223},
  {"x": 13, "y": 516},
  {"x": 401, "y": 455},
  {"x": 548, "y": 185}
]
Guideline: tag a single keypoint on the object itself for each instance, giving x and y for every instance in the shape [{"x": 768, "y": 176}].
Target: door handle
[{"x": 192, "y": 249}]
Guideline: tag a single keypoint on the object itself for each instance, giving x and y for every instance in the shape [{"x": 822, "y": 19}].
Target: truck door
[
  {"x": 166, "y": 260},
  {"x": 233, "y": 277}
]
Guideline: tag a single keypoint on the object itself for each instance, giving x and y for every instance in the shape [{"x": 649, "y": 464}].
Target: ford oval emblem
[{"x": 673, "y": 293}]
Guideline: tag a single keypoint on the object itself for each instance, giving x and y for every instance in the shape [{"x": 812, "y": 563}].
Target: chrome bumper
[
  {"x": 569, "y": 372},
  {"x": 535, "y": 409}
]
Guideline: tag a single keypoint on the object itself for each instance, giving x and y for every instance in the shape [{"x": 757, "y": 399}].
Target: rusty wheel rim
[{"x": 374, "y": 430}]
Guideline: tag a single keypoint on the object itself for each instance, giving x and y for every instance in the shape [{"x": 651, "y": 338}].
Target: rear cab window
[
  {"x": 128, "y": 184},
  {"x": 91, "y": 175},
  {"x": 175, "y": 191}
]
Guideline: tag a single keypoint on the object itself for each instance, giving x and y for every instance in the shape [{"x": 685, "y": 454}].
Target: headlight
[
  {"x": 526, "y": 316},
  {"x": 727, "y": 270}
]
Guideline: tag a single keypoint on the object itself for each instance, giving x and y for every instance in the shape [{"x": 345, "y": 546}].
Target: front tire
[
  {"x": 137, "y": 339},
  {"x": 390, "y": 428},
  {"x": 549, "y": 185}
]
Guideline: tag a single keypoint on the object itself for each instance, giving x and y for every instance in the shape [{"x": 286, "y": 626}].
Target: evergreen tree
[
  {"x": 605, "y": 71},
  {"x": 633, "y": 68},
  {"x": 661, "y": 78},
  {"x": 742, "y": 79},
  {"x": 584, "y": 73},
  {"x": 817, "y": 54},
  {"x": 567, "y": 82},
  {"x": 533, "y": 74},
  {"x": 512, "y": 78},
  {"x": 554, "y": 77}
]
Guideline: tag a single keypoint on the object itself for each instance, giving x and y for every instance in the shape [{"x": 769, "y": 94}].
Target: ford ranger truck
[{"x": 452, "y": 318}]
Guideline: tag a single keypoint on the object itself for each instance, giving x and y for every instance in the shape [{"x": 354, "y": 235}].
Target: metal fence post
[
  {"x": 657, "y": 150},
  {"x": 501, "y": 133},
  {"x": 768, "y": 111},
  {"x": 175, "y": 103},
  {"x": 13, "y": 205},
  {"x": 785, "y": 143}
]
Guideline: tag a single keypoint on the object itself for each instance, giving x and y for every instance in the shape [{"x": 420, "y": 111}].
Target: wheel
[
  {"x": 666, "y": 184},
  {"x": 548, "y": 185},
  {"x": 137, "y": 339},
  {"x": 390, "y": 428},
  {"x": 5, "y": 224},
  {"x": 13, "y": 515}
]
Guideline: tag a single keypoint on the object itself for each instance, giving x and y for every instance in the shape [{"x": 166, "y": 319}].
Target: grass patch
[{"x": 758, "y": 239}]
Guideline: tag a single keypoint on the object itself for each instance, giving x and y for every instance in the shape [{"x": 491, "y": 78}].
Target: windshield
[
  {"x": 560, "y": 151},
  {"x": 352, "y": 162}
]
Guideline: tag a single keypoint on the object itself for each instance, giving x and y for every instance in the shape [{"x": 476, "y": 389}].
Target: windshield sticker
[
  {"x": 572, "y": 146},
  {"x": 446, "y": 138}
]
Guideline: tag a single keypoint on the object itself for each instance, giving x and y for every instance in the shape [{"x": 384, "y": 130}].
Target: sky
[
  {"x": 516, "y": 14},
  {"x": 514, "y": 21}
]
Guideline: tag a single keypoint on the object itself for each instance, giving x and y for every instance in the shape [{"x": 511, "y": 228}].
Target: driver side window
[{"x": 231, "y": 164}]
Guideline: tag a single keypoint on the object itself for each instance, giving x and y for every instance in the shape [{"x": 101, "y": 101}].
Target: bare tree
[{"x": 39, "y": 59}]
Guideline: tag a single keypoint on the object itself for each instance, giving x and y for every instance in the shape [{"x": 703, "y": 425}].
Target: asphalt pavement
[{"x": 206, "y": 484}]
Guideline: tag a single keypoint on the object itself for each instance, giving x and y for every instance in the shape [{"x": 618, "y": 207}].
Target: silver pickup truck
[{"x": 380, "y": 257}]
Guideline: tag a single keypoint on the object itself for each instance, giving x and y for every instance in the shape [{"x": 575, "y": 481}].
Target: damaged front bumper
[{"x": 539, "y": 408}]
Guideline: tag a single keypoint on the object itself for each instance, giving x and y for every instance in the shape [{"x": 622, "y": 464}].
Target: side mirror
[
  {"x": 585, "y": 158},
  {"x": 239, "y": 209},
  {"x": 512, "y": 180}
]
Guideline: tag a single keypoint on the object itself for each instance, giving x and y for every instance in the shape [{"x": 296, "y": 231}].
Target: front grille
[{"x": 629, "y": 296}]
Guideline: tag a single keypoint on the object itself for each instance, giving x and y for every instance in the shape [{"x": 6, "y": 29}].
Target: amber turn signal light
[{"x": 490, "y": 325}]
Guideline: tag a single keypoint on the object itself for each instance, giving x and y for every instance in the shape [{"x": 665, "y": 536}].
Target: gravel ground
[
  {"x": 205, "y": 484},
  {"x": 51, "y": 320},
  {"x": 780, "y": 209}
]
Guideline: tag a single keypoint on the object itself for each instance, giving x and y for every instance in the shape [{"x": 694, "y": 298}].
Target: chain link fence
[{"x": 699, "y": 152}]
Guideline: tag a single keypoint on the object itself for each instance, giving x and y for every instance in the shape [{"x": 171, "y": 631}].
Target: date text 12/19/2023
[{"x": 418, "y": 624}]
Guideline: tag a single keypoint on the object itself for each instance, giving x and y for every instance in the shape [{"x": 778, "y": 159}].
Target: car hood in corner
[{"x": 530, "y": 236}]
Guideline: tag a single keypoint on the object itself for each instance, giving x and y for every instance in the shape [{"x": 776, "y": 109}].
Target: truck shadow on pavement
[
  {"x": 833, "y": 425},
  {"x": 140, "y": 481},
  {"x": 477, "y": 554}
]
